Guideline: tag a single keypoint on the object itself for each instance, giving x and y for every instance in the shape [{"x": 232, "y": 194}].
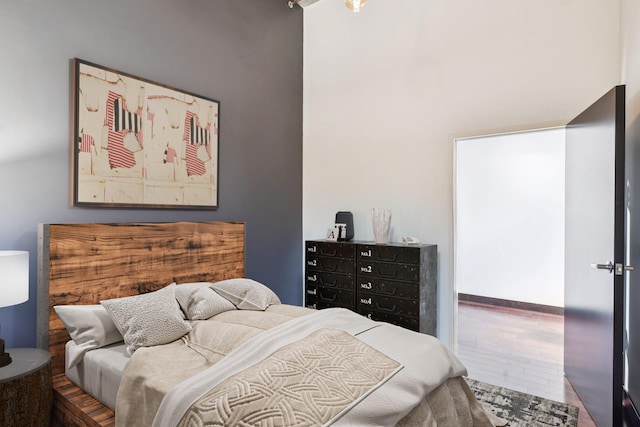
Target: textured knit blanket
[{"x": 307, "y": 383}]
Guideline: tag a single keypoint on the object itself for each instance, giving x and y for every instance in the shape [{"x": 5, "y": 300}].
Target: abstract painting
[{"x": 141, "y": 144}]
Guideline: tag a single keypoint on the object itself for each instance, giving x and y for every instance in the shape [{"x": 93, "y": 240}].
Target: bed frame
[{"x": 88, "y": 262}]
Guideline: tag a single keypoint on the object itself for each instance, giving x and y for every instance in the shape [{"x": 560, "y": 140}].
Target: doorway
[
  {"x": 600, "y": 187},
  {"x": 509, "y": 217},
  {"x": 509, "y": 255}
]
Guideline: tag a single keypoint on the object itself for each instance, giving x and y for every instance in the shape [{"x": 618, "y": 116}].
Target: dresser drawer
[
  {"x": 331, "y": 265},
  {"x": 399, "y": 254},
  {"x": 330, "y": 280},
  {"x": 331, "y": 249},
  {"x": 386, "y": 270},
  {"x": 319, "y": 305},
  {"x": 387, "y": 287},
  {"x": 333, "y": 296},
  {"x": 406, "y": 322},
  {"x": 391, "y": 305}
]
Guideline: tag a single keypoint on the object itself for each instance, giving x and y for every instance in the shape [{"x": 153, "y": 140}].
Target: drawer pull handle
[
  {"x": 385, "y": 291},
  {"x": 330, "y": 299},
  {"x": 391, "y": 310},
  {"x": 330, "y": 267},
  {"x": 330, "y": 283},
  {"x": 391, "y": 275},
  {"x": 326, "y": 253},
  {"x": 389, "y": 259}
]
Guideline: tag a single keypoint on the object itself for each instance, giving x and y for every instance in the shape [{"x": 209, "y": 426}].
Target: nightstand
[{"x": 26, "y": 391}]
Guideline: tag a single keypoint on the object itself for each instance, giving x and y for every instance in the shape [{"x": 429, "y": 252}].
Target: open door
[
  {"x": 632, "y": 295},
  {"x": 595, "y": 256}
]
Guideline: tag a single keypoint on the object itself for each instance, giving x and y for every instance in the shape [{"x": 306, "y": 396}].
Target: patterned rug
[{"x": 522, "y": 409}]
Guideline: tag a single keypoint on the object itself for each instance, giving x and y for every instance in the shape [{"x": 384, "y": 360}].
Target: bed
[{"x": 84, "y": 264}]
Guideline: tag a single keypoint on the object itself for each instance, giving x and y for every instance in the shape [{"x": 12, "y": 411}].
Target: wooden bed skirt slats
[
  {"x": 87, "y": 263},
  {"x": 73, "y": 407}
]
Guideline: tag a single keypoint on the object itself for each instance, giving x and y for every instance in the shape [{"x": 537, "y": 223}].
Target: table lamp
[{"x": 14, "y": 270}]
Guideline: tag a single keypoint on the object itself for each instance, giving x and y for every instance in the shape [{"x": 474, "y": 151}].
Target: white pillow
[
  {"x": 148, "y": 319},
  {"x": 90, "y": 326},
  {"x": 199, "y": 301},
  {"x": 246, "y": 294}
]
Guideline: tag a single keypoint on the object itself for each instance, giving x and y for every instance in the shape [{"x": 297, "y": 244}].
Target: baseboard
[{"x": 520, "y": 305}]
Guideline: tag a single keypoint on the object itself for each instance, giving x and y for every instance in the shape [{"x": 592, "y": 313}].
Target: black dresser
[
  {"x": 330, "y": 277},
  {"x": 393, "y": 283}
]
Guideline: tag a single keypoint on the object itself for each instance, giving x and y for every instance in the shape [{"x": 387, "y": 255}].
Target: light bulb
[{"x": 355, "y": 5}]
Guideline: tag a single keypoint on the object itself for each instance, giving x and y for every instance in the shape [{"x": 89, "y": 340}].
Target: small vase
[{"x": 381, "y": 225}]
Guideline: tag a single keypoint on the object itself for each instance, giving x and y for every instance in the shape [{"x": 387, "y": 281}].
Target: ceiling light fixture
[{"x": 355, "y": 5}]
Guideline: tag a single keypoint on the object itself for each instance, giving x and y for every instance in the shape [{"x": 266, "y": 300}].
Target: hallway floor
[{"x": 518, "y": 349}]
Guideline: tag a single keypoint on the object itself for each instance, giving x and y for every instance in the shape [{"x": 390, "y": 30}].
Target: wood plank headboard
[{"x": 87, "y": 262}]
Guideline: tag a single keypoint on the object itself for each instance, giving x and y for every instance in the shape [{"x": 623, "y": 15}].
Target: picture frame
[
  {"x": 333, "y": 234},
  {"x": 140, "y": 144}
]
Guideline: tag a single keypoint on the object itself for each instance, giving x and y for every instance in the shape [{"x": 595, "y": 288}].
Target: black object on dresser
[{"x": 393, "y": 283}]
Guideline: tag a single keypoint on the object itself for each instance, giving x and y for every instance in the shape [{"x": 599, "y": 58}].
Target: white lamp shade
[{"x": 14, "y": 277}]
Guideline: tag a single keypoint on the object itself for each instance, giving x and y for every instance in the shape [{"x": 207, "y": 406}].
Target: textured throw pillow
[
  {"x": 89, "y": 326},
  {"x": 185, "y": 290},
  {"x": 148, "y": 319},
  {"x": 246, "y": 294},
  {"x": 199, "y": 301}
]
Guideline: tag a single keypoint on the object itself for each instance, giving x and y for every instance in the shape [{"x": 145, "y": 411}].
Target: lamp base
[{"x": 5, "y": 359}]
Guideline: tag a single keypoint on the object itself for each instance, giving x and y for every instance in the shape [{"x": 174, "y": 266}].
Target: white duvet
[{"x": 426, "y": 364}]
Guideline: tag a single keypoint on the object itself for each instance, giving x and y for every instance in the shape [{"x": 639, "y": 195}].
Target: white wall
[
  {"x": 509, "y": 210},
  {"x": 387, "y": 90}
]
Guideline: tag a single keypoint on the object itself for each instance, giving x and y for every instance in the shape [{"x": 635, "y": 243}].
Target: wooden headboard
[{"x": 87, "y": 262}]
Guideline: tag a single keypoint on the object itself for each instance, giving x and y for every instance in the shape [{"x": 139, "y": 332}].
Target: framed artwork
[{"x": 141, "y": 144}]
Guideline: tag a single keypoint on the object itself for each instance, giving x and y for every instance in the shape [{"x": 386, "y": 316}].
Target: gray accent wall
[{"x": 245, "y": 53}]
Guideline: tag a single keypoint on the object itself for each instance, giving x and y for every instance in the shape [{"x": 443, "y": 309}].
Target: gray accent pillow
[
  {"x": 89, "y": 326},
  {"x": 198, "y": 301},
  {"x": 148, "y": 319},
  {"x": 246, "y": 294}
]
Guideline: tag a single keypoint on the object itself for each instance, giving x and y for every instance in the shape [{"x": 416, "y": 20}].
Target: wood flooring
[{"x": 518, "y": 349}]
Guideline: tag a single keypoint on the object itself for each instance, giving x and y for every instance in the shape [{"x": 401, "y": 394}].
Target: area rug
[{"x": 522, "y": 409}]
